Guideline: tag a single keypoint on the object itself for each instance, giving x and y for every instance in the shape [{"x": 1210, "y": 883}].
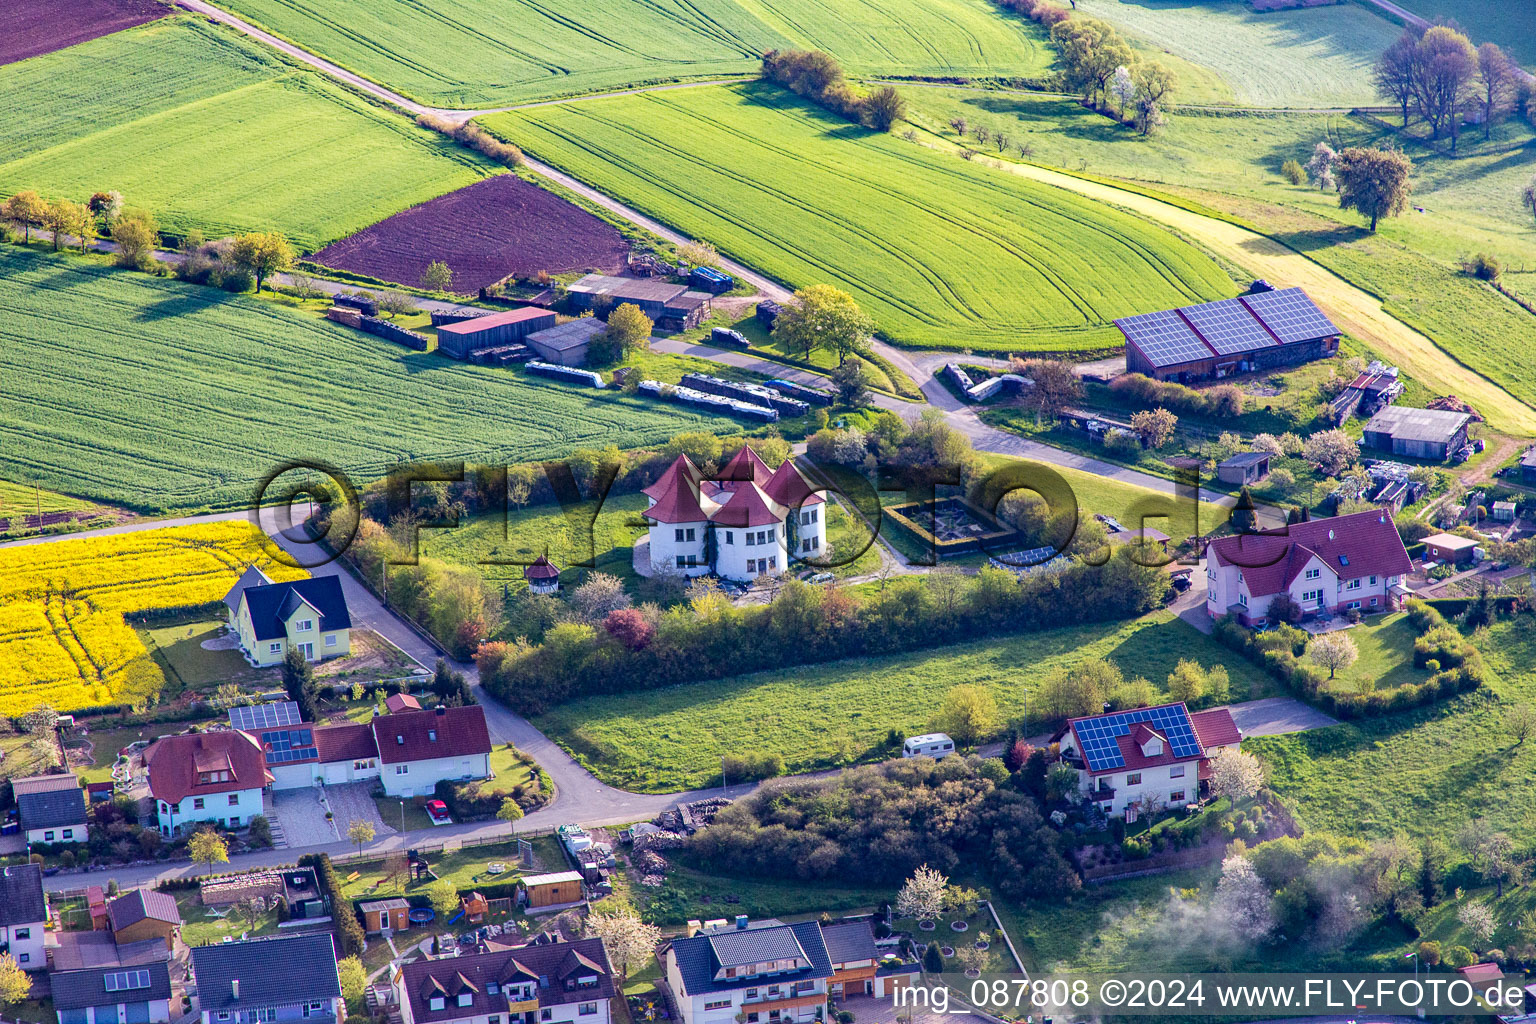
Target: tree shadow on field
[
  {"x": 1321, "y": 238},
  {"x": 182, "y": 305}
]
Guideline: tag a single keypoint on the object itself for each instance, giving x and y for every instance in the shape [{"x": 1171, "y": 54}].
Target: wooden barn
[
  {"x": 552, "y": 889},
  {"x": 1262, "y": 330},
  {"x": 463, "y": 339}
]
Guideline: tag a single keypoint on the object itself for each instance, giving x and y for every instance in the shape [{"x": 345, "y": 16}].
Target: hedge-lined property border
[{"x": 997, "y": 535}]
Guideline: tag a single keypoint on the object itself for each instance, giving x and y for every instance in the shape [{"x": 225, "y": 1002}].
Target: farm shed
[
  {"x": 1259, "y": 331},
  {"x": 1418, "y": 433},
  {"x": 1503, "y": 511},
  {"x": 1244, "y": 468},
  {"x": 461, "y": 340},
  {"x": 385, "y": 915},
  {"x": 1449, "y": 548},
  {"x": 552, "y": 889},
  {"x": 672, "y": 307},
  {"x": 567, "y": 343}
]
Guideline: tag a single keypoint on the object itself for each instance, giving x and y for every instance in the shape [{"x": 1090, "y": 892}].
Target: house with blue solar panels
[
  {"x": 1263, "y": 330},
  {"x": 1147, "y": 759},
  {"x": 309, "y": 616}
]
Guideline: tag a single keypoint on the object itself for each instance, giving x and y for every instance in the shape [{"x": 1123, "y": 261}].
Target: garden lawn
[
  {"x": 465, "y": 868},
  {"x": 1425, "y": 772},
  {"x": 1385, "y": 644},
  {"x": 1318, "y": 57},
  {"x": 214, "y": 131},
  {"x": 191, "y": 666},
  {"x": 940, "y": 252},
  {"x": 484, "y": 53},
  {"x": 692, "y": 891},
  {"x": 106, "y": 743},
  {"x": 201, "y": 928},
  {"x": 164, "y": 395},
  {"x": 839, "y": 713}
]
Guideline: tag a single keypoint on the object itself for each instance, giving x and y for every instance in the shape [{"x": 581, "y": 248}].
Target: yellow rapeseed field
[{"x": 63, "y": 638}]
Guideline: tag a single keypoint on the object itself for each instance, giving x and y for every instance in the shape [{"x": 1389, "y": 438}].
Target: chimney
[
  {"x": 741, "y": 922},
  {"x": 441, "y": 710},
  {"x": 234, "y": 987}
]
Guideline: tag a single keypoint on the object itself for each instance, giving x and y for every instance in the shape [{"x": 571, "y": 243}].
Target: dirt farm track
[
  {"x": 496, "y": 227},
  {"x": 31, "y": 27}
]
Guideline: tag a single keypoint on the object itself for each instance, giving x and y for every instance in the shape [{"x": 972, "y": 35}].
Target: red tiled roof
[
  {"x": 401, "y": 702},
  {"x": 541, "y": 569},
  {"x": 350, "y": 742},
  {"x": 483, "y": 323},
  {"x": 790, "y": 488},
  {"x": 1362, "y": 544},
  {"x": 174, "y": 763},
  {"x": 1215, "y": 728},
  {"x": 749, "y": 506},
  {"x": 677, "y": 495},
  {"x": 438, "y": 732},
  {"x": 746, "y": 465}
]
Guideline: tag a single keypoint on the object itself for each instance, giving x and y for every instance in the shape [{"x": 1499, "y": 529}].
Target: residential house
[
  {"x": 1244, "y": 468},
  {"x": 419, "y": 749},
  {"x": 96, "y": 980},
  {"x": 747, "y": 522},
  {"x": 1148, "y": 758},
  {"x": 207, "y": 776},
  {"x": 1450, "y": 549},
  {"x": 857, "y": 968},
  {"x": 261, "y": 981},
  {"x": 140, "y": 915},
  {"x": 52, "y": 808},
  {"x": 771, "y": 972},
  {"x": 270, "y": 619},
  {"x": 1434, "y": 434},
  {"x": 1348, "y": 563},
  {"x": 540, "y": 983},
  {"x": 23, "y": 913}
]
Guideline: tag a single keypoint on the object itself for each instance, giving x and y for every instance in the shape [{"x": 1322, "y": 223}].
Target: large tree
[
  {"x": 26, "y": 208},
  {"x": 1055, "y": 386},
  {"x": 1496, "y": 83},
  {"x": 263, "y": 253},
  {"x": 821, "y": 316},
  {"x": 208, "y": 847},
  {"x": 136, "y": 234},
  {"x": 968, "y": 714},
  {"x": 922, "y": 896},
  {"x": 1376, "y": 182},
  {"x": 15, "y": 983},
  {"x": 883, "y": 107},
  {"x": 629, "y": 941},
  {"x": 1333, "y": 651},
  {"x": 1444, "y": 65},
  {"x": 629, "y": 328},
  {"x": 1394, "y": 73}
]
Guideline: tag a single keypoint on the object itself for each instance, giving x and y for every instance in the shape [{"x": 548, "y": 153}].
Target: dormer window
[
  {"x": 436, "y": 1002},
  {"x": 491, "y": 988},
  {"x": 466, "y": 998}
]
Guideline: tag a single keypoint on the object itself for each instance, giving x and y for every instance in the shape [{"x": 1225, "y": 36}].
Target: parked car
[
  {"x": 438, "y": 812},
  {"x": 726, "y": 336}
]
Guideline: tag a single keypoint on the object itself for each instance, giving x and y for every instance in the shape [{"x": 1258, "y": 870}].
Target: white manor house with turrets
[{"x": 745, "y": 522}]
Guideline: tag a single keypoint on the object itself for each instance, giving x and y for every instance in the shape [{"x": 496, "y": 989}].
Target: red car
[{"x": 438, "y": 812}]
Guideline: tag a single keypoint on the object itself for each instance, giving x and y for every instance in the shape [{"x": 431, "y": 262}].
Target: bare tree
[
  {"x": 1394, "y": 73},
  {"x": 1496, "y": 83}
]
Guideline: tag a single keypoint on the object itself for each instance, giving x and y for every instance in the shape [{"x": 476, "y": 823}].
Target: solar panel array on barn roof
[
  {"x": 1228, "y": 327},
  {"x": 1098, "y": 736},
  {"x": 1164, "y": 337},
  {"x": 265, "y": 716},
  {"x": 1291, "y": 314}
]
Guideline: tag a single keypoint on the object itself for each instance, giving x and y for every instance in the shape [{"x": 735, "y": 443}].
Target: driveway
[
  {"x": 1275, "y": 716},
  {"x": 302, "y": 817}
]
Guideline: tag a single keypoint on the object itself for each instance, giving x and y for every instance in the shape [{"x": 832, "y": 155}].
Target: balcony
[
  {"x": 1106, "y": 793},
  {"x": 784, "y": 996}
]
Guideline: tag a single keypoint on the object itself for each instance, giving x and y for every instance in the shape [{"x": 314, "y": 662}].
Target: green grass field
[
  {"x": 839, "y": 713},
  {"x": 161, "y": 395},
  {"x": 1425, "y": 772},
  {"x": 482, "y": 53},
  {"x": 1301, "y": 58},
  {"x": 941, "y": 253},
  {"x": 1506, "y": 22},
  {"x": 213, "y": 131},
  {"x": 21, "y": 500}
]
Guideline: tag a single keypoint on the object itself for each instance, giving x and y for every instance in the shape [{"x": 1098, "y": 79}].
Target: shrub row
[
  {"x": 819, "y": 78},
  {"x": 711, "y": 638},
  {"x": 1223, "y": 401},
  {"x": 350, "y": 939},
  {"x": 472, "y": 136},
  {"x": 1456, "y": 664},
  {"x": 1042, "y": 11}
]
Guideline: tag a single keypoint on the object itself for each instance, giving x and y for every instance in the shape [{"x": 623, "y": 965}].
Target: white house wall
[
  {"x": 28, "y": 951},
  {"x": 420, "y": 777},
  {"x": 216, "y": 807}
]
